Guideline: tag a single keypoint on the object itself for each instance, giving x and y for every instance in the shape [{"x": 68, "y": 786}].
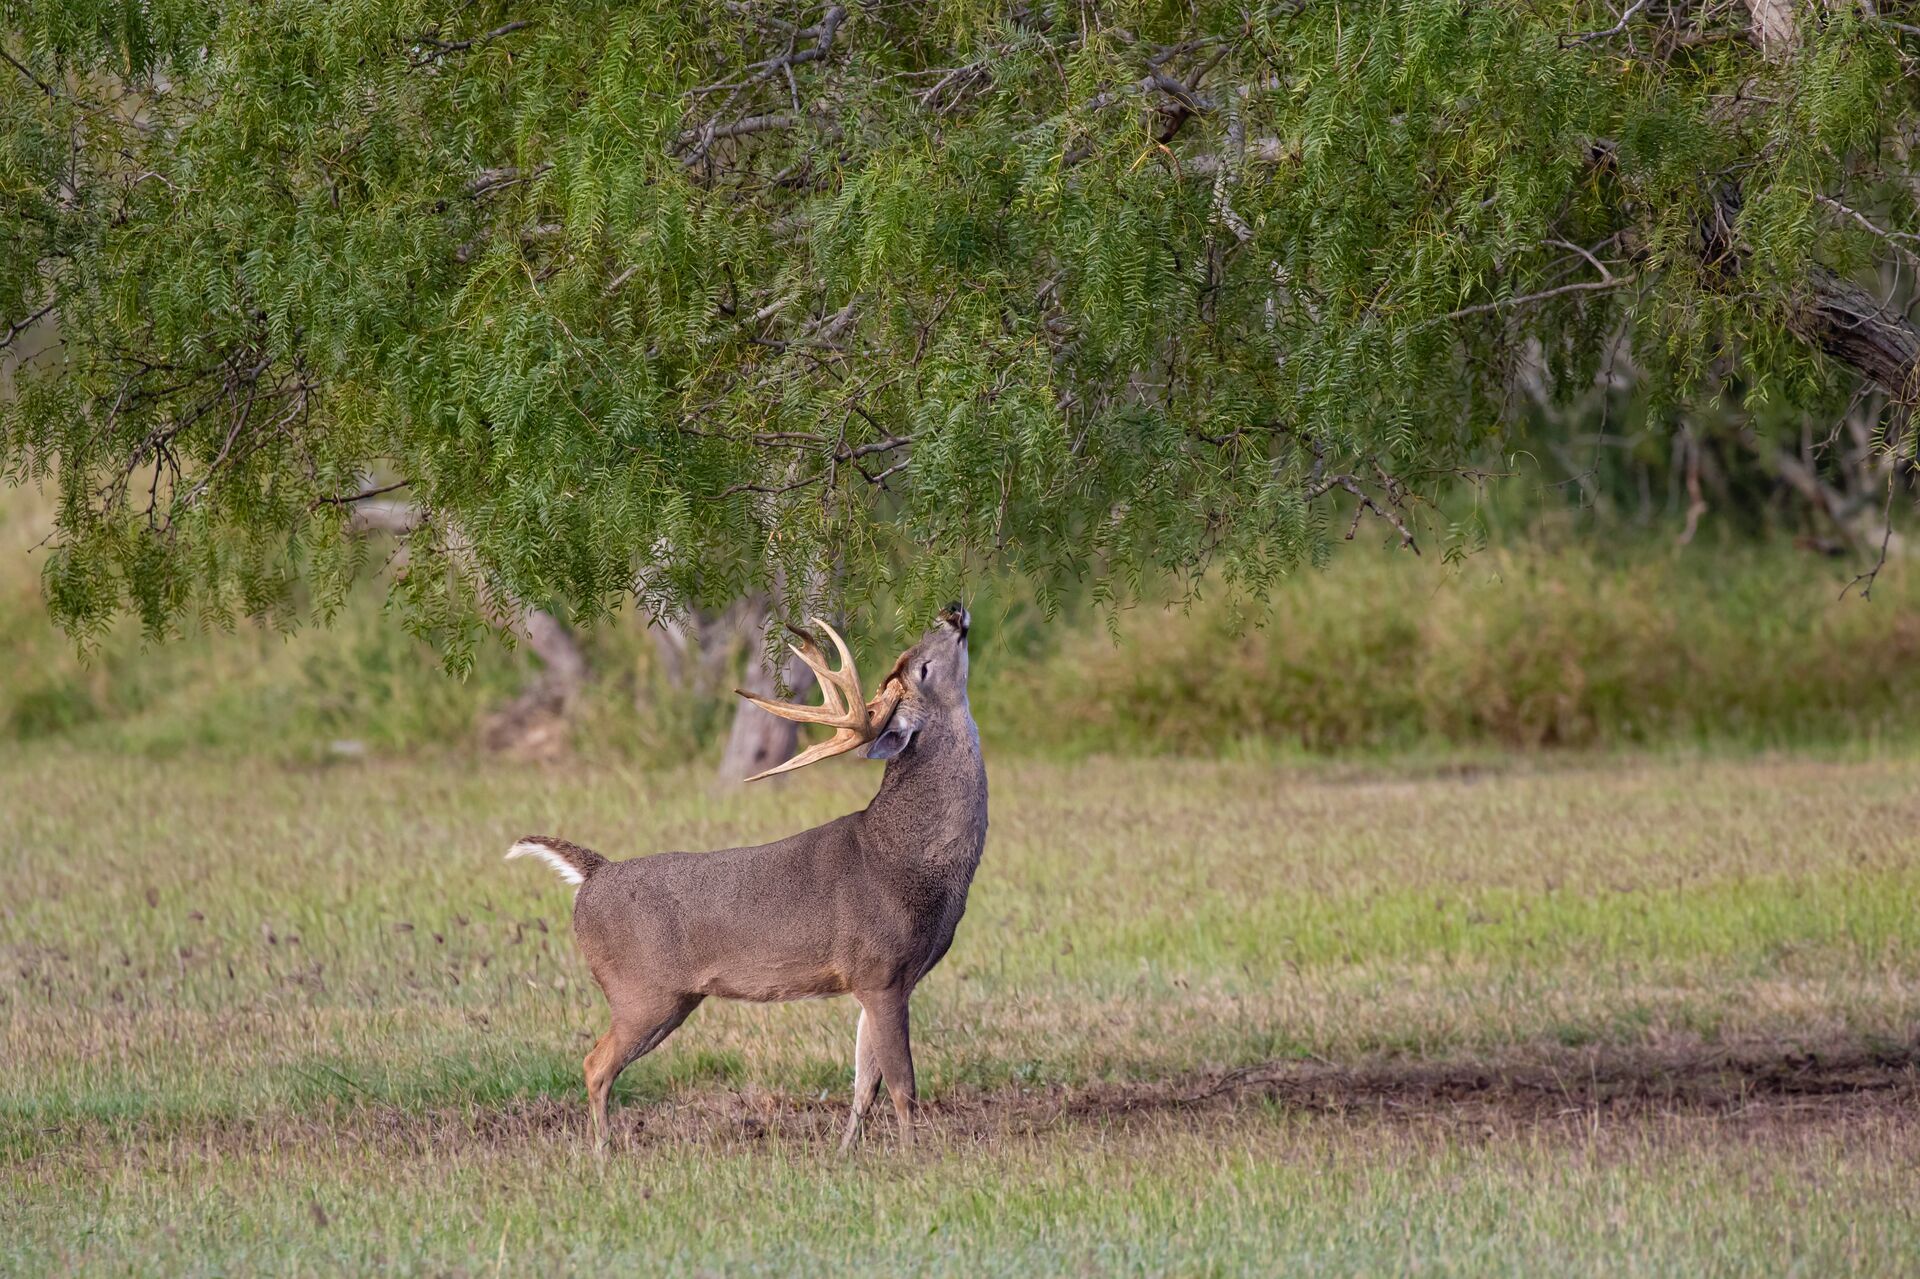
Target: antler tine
[
  {"x": 840, "y": 743},
  {"x": 831, "y": 694},
  {"x": 847, "y": 678},
  {"x": 844, "y": 706},
  {"x": 840, "y": 645},
  {"x": 837, "y": 707},
  {"x": 831, "y": 715}
]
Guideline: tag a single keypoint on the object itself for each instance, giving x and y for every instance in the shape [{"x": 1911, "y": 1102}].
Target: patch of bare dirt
[
  {"x": 1751, "y": 1082},
  {"x": 1757, "y": 1089}
]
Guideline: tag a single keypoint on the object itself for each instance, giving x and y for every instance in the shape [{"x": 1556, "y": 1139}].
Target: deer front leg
[
  {"x": 884, "y": 1017},
  {"x": 866, "y": 1079}
]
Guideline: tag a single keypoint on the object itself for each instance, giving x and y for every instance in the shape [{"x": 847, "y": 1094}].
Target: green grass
[
  {"x": 1651, "y": 1016},
  {"x": 1272, "y": 1195},
  {"x": 1588, "y": 646}
]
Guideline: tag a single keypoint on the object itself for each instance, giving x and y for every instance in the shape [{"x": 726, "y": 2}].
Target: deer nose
[{"x": 956, "y": 616}]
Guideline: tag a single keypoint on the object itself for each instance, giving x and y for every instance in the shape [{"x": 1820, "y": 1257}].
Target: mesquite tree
[{"x": 672, "y": 303}]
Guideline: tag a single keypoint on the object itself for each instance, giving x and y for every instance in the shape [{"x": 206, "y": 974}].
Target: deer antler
[{"x": 855, "y": 720}]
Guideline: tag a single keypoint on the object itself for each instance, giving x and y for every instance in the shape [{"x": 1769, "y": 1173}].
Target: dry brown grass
[{"x": 1296, "y": 1010}]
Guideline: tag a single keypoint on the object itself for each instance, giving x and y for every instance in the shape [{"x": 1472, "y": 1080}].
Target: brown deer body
[{"x": 865, "y": 905}]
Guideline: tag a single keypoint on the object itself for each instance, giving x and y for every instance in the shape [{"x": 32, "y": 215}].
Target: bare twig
[
  {"x": 840, "y": 454},
  {"x": 711, "y": 133},
  {"x": 771, "y": 490},
  {"x": 879, "y": 446},
  {"x": 350, "y": 498},
  {"x": 1614, "y": 30},
  {"x": 959, "y": 80},
  {"x": 21, "y": 67},
  {"x": 491, "y": 180},
  {"x": 16, "y": 329},
  {"x": 1589, "y": 286},
  {"x": 1598, "y": 265},
  {"x": 822, "y": 34},
  {"x": 437, "y": 48},
  {"x": 881, "y": 479},
  {"x": 1892, "y": 238},
  {"x": 619, "y": 281},
  {"x": 1365, "y": 502},
  {"x": 1865, "y": 581}
]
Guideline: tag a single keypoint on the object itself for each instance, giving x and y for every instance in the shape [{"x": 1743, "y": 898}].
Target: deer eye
[{"x": 923, "y": 672}]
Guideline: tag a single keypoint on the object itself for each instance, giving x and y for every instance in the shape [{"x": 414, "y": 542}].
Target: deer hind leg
[
  {"x": 885, "y": 1017},
  {"x": 866, "y": 1079},
  {"x": 638, "y": 1029}
]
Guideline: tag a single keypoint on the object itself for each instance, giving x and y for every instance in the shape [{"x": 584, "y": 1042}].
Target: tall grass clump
[
  {"x": 1591, "y": 644},
  {"x": 1513, "y": 649}
]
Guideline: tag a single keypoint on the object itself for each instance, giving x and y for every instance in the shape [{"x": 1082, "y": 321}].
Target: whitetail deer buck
[{"x": 865, "y": 905}]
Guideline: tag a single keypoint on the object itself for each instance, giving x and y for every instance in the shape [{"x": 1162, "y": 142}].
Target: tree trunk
[
  {"x": 534, "y": 724},
  {"x": 1832, "y": 314},
  {"x": 1850, "y": 325},
  {"x": 700, "y": 650},
  {"x": 759, "y": 740},
  {"x": 1837, "y": 316},
  {"x": 1774, "y": 28}
]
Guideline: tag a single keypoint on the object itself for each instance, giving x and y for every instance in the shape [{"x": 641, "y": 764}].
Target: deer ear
[
  {"x": 890, "y": 743},
  {"x": 895, "y": 737}
]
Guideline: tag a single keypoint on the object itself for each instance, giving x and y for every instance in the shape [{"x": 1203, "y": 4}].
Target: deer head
[{"x": 926, "y": 679}]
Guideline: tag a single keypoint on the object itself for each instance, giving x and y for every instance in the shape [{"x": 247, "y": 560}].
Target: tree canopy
[{"x": 667, "y": 302}]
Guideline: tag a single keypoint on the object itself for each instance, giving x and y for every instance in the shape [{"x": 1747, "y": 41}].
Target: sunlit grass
[
  {"x": 1271, "y": 1193},
  {"x": 240, "y": 998}
]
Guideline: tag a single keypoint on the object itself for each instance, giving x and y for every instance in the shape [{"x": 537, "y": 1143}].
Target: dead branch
[
  {"x": 1501, "y": 304},
  {"x": 1614, "y": 30},
  {"x": 433, "y": 48}
]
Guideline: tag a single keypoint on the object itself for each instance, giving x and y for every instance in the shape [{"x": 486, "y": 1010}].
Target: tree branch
[
  {"x": 1586, "y": 286},
  {"x": 21, "y": 67},
  {"x": 16, "y": 329},
  {"x": 1364, "y": 502},
  {"x": 697, "y": 142},
  {"x": 491, "y": 180},
  {"x": 1849, "y": 324},
  {"x": 351, "y": 498},
  {"x": 438, "y": 48},
  {"x": 821, "y": 33},
  {"x": 1865, "y": 581},
  {"x": 1614, "y": 30},
  {"x": 1892, "y": 238}
]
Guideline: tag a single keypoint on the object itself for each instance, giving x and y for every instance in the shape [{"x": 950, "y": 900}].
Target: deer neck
[{"x": 933, "y": 798}]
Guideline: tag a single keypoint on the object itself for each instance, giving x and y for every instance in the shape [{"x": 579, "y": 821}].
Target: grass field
[{"x": 1648, "y": 1017}]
